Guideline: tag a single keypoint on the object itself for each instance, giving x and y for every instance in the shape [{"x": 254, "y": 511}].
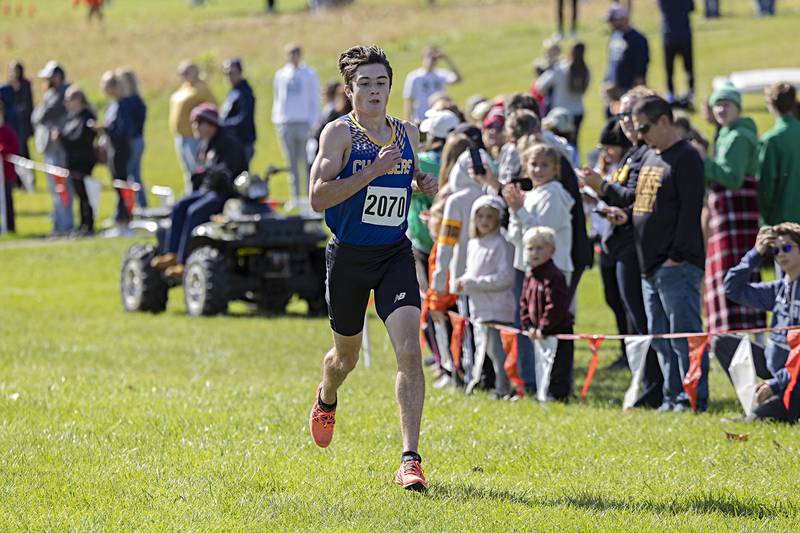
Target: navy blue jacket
[
  {"x": 9, "y": 101},
  {"x": 675, "y": 24},
  {"x": 628, "y": 59},
  {"x": 238, "y": 113},
  {"x": 136, "y": 110},
  {"x": 118, "y": 121},
  {"x": 782, "y": 297}
]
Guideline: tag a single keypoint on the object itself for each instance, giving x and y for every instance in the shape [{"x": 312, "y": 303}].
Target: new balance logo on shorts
[{"x": 399, "y": 297}]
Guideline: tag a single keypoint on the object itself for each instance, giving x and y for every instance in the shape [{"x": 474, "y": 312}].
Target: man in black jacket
[
  {"x": 619, "y": 241},
  {"x": 221, "y": 159},
  {"x": 238, "y": 112},
  {"x": 669, "y": 244}
]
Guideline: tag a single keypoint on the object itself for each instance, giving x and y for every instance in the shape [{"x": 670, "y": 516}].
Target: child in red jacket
[{"x": 544, "y": 305}]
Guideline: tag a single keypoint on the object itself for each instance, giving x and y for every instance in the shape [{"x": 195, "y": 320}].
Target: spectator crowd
[{"x": 673, "y": 218}]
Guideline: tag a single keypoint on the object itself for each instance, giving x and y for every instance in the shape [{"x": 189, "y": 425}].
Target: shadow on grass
[{"x": 703, "y": 503}]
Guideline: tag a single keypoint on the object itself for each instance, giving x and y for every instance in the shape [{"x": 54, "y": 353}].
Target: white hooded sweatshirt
[
  {"x": 547, "y": 205},
  {"x": 454, "y": 234}
]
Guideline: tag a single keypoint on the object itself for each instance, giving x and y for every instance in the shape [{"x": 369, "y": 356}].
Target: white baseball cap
[{"x": 439, "y": 124}]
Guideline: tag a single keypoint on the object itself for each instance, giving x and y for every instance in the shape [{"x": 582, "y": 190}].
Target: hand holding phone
[{"x": 477, "y": 161}]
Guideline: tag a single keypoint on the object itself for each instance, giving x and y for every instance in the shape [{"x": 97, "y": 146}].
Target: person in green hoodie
[
  {"x": 732, "y": 209},
  {"x": 779, "y": 159}
]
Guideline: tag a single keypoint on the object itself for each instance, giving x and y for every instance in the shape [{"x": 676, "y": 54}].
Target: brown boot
[
  {"x": 175, "y": 271},
  {"x": 162, "y": 262}
]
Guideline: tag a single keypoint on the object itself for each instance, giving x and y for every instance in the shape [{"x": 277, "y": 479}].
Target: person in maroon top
[
  {"x": 9, "y": 145},
  {"x": 544, "y": 306}
]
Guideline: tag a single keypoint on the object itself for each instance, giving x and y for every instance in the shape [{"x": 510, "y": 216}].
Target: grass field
[
  {"x": 127, "y": 421},
  {"x": 119, "y": 421}
]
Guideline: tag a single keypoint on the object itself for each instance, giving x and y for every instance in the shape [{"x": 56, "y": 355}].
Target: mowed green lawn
[
  {"x": 133, "y": 421},
  {"x": 123, "y": 421}
]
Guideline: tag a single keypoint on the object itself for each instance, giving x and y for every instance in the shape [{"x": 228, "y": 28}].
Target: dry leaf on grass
[{"x": 738, "y": 437}]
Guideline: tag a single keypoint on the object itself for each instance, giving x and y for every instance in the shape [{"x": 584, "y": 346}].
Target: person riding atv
[{"x": 222, "y": 158}]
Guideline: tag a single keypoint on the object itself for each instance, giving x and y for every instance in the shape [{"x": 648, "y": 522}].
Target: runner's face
[{"x": 370, "y": 88}]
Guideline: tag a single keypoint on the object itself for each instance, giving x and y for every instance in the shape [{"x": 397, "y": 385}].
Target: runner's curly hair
[{"x": 354, "y": 57}]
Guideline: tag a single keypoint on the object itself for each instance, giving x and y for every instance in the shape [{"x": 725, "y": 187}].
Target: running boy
[{"x": 362, "y": 178}]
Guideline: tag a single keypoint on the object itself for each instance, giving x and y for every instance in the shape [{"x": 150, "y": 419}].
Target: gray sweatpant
[{"x": 294, "y": 136}]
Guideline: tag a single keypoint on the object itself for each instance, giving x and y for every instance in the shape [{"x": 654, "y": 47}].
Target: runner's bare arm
[
  {"x": 422, "y": 182},
  {"x": 324, "y": 189}
]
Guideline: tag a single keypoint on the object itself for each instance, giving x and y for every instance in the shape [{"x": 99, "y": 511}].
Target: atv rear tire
[
  {"x": 141, "y": 286},
  {"x": 205, "y": 282}
]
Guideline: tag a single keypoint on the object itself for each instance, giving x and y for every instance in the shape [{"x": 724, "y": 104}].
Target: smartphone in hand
[
  {"x": 477, "y": 161},
  {"x": 525, "y": 184}
]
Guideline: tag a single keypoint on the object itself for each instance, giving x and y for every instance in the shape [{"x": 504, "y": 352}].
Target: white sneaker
[{"x": 442, "y": 382}]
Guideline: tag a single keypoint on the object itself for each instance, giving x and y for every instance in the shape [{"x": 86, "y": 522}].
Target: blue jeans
[
  {"x": 62, "y": 216},
  {"x": 526, "y": 364},
  {"x": 188, "y": 213},
  {"x": 187, "y": 148},
  {"x": 672, "y": 302},
  {"x": 765, "y": 7},
  {"x": 135, "y": 169},
  {"x": 712, "y": 9}
]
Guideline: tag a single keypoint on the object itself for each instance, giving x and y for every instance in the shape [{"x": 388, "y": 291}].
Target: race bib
[{"x": 385, "y": 206}]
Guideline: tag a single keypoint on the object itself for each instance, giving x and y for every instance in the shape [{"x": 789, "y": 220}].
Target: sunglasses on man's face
[
  {"x": 644, "y": 128},
  {"x": 785, "y": 248},
  {"x": 623, "y": 116}
]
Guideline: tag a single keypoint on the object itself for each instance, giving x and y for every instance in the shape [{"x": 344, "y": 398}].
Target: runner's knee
[{"x": 345, "y": 361}]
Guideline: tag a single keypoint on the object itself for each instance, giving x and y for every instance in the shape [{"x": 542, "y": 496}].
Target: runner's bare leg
[
  {"x": 403, "y": 328},
  {"x": 338, "y": 363}
]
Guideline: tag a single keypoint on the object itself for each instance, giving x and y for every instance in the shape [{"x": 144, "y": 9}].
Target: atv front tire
[
  {"x": 142, "y": 287},
  {"x": 205, "y": 282}
]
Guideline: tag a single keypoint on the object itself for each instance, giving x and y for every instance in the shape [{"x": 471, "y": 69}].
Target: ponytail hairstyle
[{"x": 578, "y": 77}]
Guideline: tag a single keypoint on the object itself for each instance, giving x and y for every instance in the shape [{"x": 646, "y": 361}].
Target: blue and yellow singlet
[{"x": 377, "y": 214}]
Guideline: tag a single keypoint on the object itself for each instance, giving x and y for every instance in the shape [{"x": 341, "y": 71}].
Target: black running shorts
[{"x": 354, "y": 271}]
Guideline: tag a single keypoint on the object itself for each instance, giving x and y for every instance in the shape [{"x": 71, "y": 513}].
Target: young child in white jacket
[
  {"x": 547, "y": 204},
  {"x": 488, "y": 281}
]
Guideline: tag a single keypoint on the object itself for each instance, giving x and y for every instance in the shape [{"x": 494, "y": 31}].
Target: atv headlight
[
  {"x": 232, "y": 209},
  {"x": 247, "y": 228}
]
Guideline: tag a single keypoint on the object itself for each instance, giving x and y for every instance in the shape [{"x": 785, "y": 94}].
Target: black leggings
[
  {"x": 611, "y": 292},
  {"x": 9, "y": 200},
  {"x": 561, "y": 16},
  {"x": 561, "y": 379},
  {"x": 673, "y": 50},
  {"x": 87, "y": 215}
]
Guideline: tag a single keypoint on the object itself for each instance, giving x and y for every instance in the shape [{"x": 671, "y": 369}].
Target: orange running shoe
[
  {"x": 410, "y": 476},
  {"x": 321, "y": 423}
]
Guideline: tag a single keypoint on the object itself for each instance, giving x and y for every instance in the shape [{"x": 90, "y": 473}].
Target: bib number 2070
[{"x": 384, "y": 206}]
